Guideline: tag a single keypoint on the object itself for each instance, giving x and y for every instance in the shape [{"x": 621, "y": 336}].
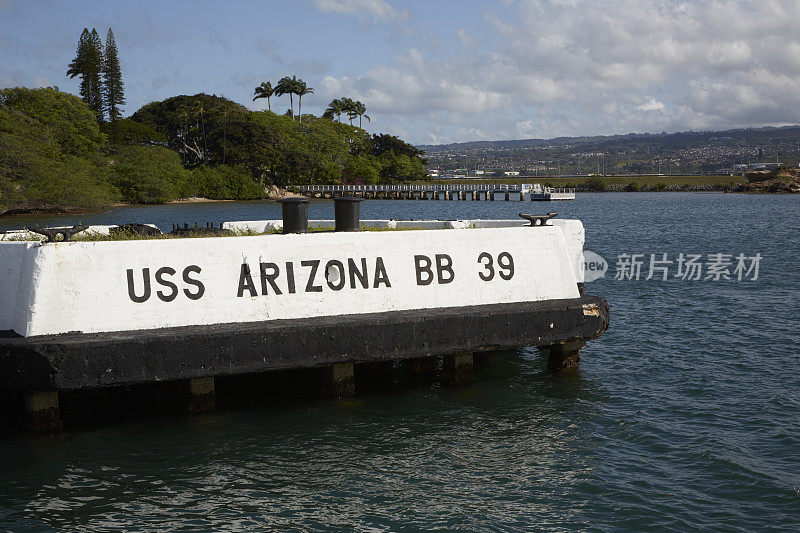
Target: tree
[
  {"x": 335, "y": 109},
  {"x": 349, "y": 107},
  {"x": 94, "y": 69},
  {"x": 361, "y": 170},
  {"x": 264, "y": 90},
  {"x": 54, "y": 154},
  {"x": 224, "y": 182},
  {"x": 49, "y": 151},
  {"x": 287, "y": 85},
  {"x": 113, "y": 88},
  {"x": 400, "y": 168},
  {"x": 88, "y": 64},
  {"x": 382, "y": 143},
  {"x": 148, "y": 174},
  {"x": 64, "y": 116},
  {"x": 78, "y": 66},
  {"x": 197, "y": 127},
  {"x": 358, "y": 109},
  {"x": 129, "y": 132},
  {"x": 302, "y": 90}
]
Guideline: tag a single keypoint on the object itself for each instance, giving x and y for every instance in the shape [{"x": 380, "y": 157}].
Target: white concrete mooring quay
[
  {"x": 455, "y": 191},
  {"x": 252, "y": 298}
]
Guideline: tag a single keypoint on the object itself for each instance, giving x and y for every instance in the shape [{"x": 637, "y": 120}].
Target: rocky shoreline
[{"x": 778, "y": 181}]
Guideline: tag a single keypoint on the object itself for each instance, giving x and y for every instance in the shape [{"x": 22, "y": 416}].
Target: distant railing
[
  {"x": 432, "y": 187},
  {"x": 521, "y": 188}
]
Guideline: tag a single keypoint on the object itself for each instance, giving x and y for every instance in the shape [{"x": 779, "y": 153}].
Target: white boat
[{"x": 540, "y": 193}]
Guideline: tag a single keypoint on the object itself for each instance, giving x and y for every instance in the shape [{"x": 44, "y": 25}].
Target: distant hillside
[
  {"x": 752, "y": 134},
  {"x": 683, "y": 152}
]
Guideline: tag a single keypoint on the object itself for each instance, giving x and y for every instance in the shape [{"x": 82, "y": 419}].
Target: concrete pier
[
  {"x": 564, "y": 357},
  {"x": 421, "y": 367},
  {"x": 458, "y": 369},
  {"x": 202, "y": 395},
  {"x": 182, "y": 317},
  {"x": 338, "y": 380},
  {"x": 41, "y": 411}
]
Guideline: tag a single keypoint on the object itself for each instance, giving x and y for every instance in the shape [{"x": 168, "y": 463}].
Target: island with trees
[{"x": 60, "y": 152}]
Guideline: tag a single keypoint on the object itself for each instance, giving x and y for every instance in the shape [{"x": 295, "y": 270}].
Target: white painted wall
[
  {"x": 573, "y": 230},
  {"x": 12, "y": 255},
  {"x": 23, "y": 234},
  {"x": 82, "y": 286}
]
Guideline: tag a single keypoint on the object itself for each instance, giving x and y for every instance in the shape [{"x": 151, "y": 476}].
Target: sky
[{"x": 441, "y": 71}]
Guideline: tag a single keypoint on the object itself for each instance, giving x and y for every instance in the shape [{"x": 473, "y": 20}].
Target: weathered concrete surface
[
  {"x": 339, "y": 380},
  {"x": 108, "y": 286},
  {"x": 564, "y": 357},
  {"x": 458, "y": 369},
  {"x": 202, "y": 395},
  {"x": 421, "y": 367},
  {"x": 42, "y": 411},
  {"x": 77, "y": 360}
]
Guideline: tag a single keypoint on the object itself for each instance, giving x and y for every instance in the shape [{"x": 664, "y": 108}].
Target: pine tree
[
  {"x": 93, "y": 71},
  {"x": 78, "y": 65},
  {"x": 113, "y": 88}
]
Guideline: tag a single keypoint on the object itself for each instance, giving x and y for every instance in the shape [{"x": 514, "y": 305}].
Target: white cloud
[
  {"x": 561, "y": 67},
  {"x": 378, "y": 9},
  {"x": 651, "y": 104},
  {"x": 465, "y": 38}
]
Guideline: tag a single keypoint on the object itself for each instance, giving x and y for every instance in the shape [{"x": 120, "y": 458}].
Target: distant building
[
  {"x": 754, "y": 167},
  {"x": 764, "y": 166}
]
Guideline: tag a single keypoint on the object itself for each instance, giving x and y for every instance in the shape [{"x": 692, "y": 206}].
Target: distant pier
[{"x": 454, "y": 191}]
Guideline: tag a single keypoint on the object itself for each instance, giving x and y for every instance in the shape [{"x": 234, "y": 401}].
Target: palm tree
[
  {"x": 289, "y": 86},
  {"x": 359, "y": 110},
  {"x": 335, "y": 109},
  {"x": 349, "y": 107},
  {"x": 264, "y": 90},
  {"x": 302, "y": 90},
  {"x": 200, "y": 112}
]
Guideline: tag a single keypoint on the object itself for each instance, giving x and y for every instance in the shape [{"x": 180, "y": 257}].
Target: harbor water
[{"x": 684, "y": 415}]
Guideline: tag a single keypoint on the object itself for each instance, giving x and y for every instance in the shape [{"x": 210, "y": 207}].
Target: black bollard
[
  {"x": 347, "y": 213},
  {"x": 295, "y": 215}
]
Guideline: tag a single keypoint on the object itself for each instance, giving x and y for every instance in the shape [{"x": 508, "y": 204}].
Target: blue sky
[{"x": 443, "y": 71}]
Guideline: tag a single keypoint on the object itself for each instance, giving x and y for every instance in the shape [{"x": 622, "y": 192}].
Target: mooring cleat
[
  {"x": 538, "y": 220},
  {"x": 57, "y": 234}
]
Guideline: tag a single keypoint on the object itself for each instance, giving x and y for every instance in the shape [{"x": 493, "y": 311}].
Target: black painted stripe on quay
[{"x": 76, "y": 360}]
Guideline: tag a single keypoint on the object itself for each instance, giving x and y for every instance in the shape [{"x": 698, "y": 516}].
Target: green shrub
[
  {"x": 595, "y": 184},
  {"x": 148, "y": 174},
  {"x": 49, "y": 154},
  {"x": 224, "y": 182}
]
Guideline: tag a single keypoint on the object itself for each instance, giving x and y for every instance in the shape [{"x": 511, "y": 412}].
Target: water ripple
[{"x": 685, "y": 415}]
